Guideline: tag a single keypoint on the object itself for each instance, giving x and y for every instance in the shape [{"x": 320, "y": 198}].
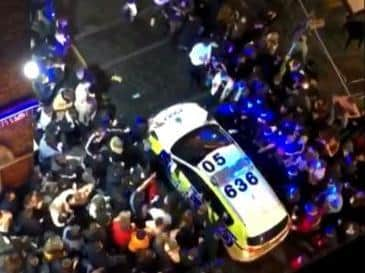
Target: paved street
[
  {"x": 350, "y": 62},
  {"x": 155, "y": 74}
]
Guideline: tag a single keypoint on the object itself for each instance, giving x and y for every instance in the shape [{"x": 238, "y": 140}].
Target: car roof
[{"x": 174, "y": 122}]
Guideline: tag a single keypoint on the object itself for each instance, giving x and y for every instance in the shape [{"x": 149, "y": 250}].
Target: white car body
[{"x": 256, "y": 205}]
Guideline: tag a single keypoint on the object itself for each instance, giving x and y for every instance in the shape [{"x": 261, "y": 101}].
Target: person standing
[
  {"x": 139, "y": 241},
  {"x": 222, "y": 80},
  {"x": 130, "y": 9},
  {"x": 49, "y": 147},
  {"x": 85, "y": 103},
  {"x": 301, "y": 47},
  {"x": 200, "y": 56},
  {"x": 121, "y": 229}
]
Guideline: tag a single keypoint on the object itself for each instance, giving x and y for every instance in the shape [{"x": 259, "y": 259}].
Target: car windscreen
[{"x": 194, "y": 146}]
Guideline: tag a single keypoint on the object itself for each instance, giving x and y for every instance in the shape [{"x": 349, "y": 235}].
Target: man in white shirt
[
  {"x": 160, "y": 213},
  {"x": 85, "y": 103},
  {"x": 201, "y": 53},
  {"x": 45, "y": 117},
  {"x": 200, "y": 56},
  {"x": 221, "y": 80},
  {"x": 59, "y": 209},
  {"x": 130, "y": 8}
]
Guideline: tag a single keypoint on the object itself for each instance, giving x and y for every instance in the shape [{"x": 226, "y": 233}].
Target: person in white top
[
  {"x": 161, "y": 2},
  {"x": 201, "y": 53},
  {"x": 45, "y": 117},
  {"x": 222, "y": 80},
  {"x": 200, "y": 56},
  {"x": 130, "y": 8},
  {"x": 81, "y": 91},
  {"x": 160, "y": 5},
  {"x": 60, "y": 208},
  {"x": 160, "y": 213},
  {"x": 85, "y": 103}
]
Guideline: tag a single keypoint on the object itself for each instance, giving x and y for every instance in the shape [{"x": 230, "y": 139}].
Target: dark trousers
[{"x": 197, "y": 74}]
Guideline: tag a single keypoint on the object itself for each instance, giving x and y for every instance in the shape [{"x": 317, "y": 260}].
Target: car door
[
  {"x": 217, "y": 213},
  {"x": 187, "y": 179}
]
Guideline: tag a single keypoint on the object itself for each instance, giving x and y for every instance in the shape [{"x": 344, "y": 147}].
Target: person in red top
[
  {"x": 121, "y": 229},
  {"x": 153, "y": 192}
]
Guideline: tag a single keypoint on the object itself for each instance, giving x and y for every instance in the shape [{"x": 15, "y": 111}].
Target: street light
[{"x": 31, "y": 70}]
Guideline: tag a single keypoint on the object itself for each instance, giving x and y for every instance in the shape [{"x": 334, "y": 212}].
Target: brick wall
[
  {"x": 15, "y": 140},
  {"x": 14, "y": 50}
]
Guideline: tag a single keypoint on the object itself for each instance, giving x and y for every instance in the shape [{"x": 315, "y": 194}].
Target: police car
[{"x": 205, "y": 164}]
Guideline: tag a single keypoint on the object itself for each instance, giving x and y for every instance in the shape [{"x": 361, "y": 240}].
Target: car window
[
  {"x": 194, "y": 146},
  {"x": 207, "y": 193}
]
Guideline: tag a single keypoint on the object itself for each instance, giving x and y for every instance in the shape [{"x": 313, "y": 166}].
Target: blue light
[
  {"x": 270, "y": 136},
  {"x": 226, "y": 109},
  {"x": 140, "y": 120},
  {"x": 58, "y": 49},
  {"x": 263, "y": 114},
  {"x": 257, "y": 85},
  {"x": 268, "y": 116},
  {"x": 206, "y": 135},
  {"x": 348, "y": 159},
  {"x": 292, "y": 148},
  {"x": 329, "y": 231},
  {"x": 52, "y": 74},
  {"x": 292, "y": 171},
  {"x": 249, "y": 105},
  {"x": 240, "y": 85},
  {"x": 332, "y": 188},
  {"x": 249, "y": 50},
  {"x": 310, "y": 208},
  {"x": 335, "y": 202},
  {"x": 288, "y": 126},
  {"x": 318, "y": 164},
  {"x": 292, "y": 189},
  {"x": 292, "y": 192},
  {"x": 229, "y": 47},
  {"x": 268, "y": 132},
  {"x": 17, "y": 108},
  {"x": 49, "y": 11}
]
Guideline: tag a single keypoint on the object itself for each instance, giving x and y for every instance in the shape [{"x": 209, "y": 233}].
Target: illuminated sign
[{"x": 17, "y": 112}]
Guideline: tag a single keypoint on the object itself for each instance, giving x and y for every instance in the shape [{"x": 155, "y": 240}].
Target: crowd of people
[
  {"x": 314, "y": 136},
  {"x": 95, "y": 202}
]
